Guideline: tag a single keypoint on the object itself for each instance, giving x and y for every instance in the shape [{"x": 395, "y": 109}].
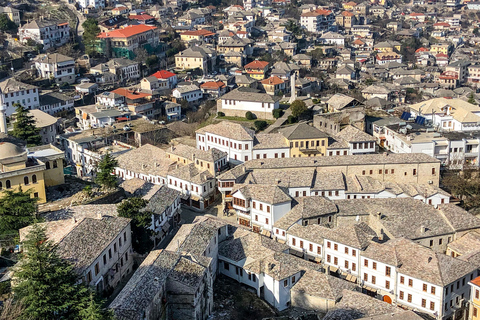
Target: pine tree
[
  {"x": 24, "y": 127},
  {"x": 17, "y": 210},
  {"x": 141, "y": 220},
  {"x": 105, "y": 169},
  {"x": 471, "y": 99},
  {"x": 44, "y": 283},
  {"x": 91, "y": 309}
]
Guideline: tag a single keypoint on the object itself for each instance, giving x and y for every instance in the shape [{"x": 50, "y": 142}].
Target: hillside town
[{"x": 240, "y": 159}]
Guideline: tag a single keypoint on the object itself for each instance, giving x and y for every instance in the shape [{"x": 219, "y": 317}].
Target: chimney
[
  {"x": 144, "y": 165},
  {"x": 423, "y": 229},
  {"x": 379, "y": 215},
  {"x": 99, "y": 215},
  {"x": 277, "y": 181},
  {"x": 74, "y": 220},
  {"x": 172, "y": 148},
  {"x": 193, "y": 157}
]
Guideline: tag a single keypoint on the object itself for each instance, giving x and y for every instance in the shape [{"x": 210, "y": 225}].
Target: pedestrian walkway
[{"x": 279, "y": 121}]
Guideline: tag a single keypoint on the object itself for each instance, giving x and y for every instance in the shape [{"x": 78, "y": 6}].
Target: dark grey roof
[
  {"x": 302, "y": 131},
  {"x": 251, "y": 96},
  {"x": 161, "y": 200},
  {"x": 53, "y": 98}
]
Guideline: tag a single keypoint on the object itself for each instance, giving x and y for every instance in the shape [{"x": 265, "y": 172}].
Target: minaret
[
  {"x": 3, "y": 115},
  {"x": 293, "y": 93}
]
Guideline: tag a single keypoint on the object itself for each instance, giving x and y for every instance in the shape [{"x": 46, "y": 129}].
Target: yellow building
[
  {"x": 305, "y": 140},
  {"x": 257, "y": 69},
  {"x": 212, "y": 160},
  {"x": 32, "y": 169},
  {"x": 387, "y": 46},
  {"x": 474, "y": 309},
  {"x": 440, "y": 48},
  {"x": 198, "y": 35}
]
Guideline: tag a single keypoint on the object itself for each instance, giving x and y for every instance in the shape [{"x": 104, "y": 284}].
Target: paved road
[{"x": 279, "y": 121}]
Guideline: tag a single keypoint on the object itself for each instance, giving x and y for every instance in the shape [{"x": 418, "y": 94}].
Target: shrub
[
  {"x": 291, "y": 119},
  {"x": 260, "y": 124},
  {"x": 277, "y": 113},
  {"x": 250, "y": 116},
  {"x": 220, "y": 114}
]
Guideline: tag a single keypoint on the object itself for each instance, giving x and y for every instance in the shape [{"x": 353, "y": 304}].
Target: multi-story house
[
  {"x": 12, "y": 14},
  {"x": 237, "y": 103},
  {"x": 317, "y": 21},
  {"x": 473, "y": 74},
  {"x": 273, "y": 85},
  {"x": 124, "y": 69},
  {"x": 460, "y": 68},
  {"x": 213, "y": 160},
  {"x": 47, "y": 125},
  {"x": 474, "y": 306},
  {"x": 173, "y": 110},
  {"x": 56, "y": 67},
  {"x": 190, "y": 93},
  {"x": 260, "y": 206},
  {"x": 346, "y": 19},
  {"x": 13, "y": 91},
  {"x": 121, "y": 43},
  {"x": 256, "y": 69},
  {"x": 97, "y": 4},
  {"x": 170, "y": 77},
  {"x": 54, "y": 102},
  {"x": 351, "y": 141},
  {"x": 305, "y": 140},
  {"x": 101, "y": 266},
  {"x": 47, "y": 33},
  {"x": 196, "y": 57}
]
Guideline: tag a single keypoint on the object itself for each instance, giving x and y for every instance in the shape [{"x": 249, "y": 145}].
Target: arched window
[
  {"x": 55, "y": 163},
  {"x": 47, "y": 165},
  {"x": 34, "y": 178},
  {"x": 25, "y": 180},
  {"x": 8, "y": 185}
]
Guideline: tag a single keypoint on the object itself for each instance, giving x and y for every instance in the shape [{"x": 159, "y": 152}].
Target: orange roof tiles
[
  {"x": 142, "y": 17},
  {"x": 476, "y": 281},
  {"x": 441, "y": 24},
  {"x": 212, "y": 85},
  {"x": 347, "y": 14},
  {"x": 422, "y": 49},
  {"x": 127, "y": 31},
  {"x": 256, "y": 64},
  {"x": 201, "y": 32},
  {"x": 272, "y": 81},
  {"x": 130, "y": 94},
  {"x": 163, "y": 74}
]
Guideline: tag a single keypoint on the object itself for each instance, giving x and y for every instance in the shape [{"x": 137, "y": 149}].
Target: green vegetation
[
  {"x": 291, "y": 119},
  {"x": 298, "y": 108},
  {"x": 260, "y": 124},
  {"x": 47, "y": 286},
  {"x": 141, "y": 220},
  {"x": 6, "y": 24},
  {"x": 471, "y": 99},
  {"x": 90, "y": 33},
  {"x": 24, "y": 127},
  {"x": 250, "y": 116},
  {"x": 220, "y": 114},
  {"x": 277, "y": 113},
  {"x": 105, "y": 169},
  {"x": 17, "y": 210}
]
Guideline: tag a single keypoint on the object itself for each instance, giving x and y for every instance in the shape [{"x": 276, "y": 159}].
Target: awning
[
  {"x": 281, "y": 241},
  {"x": 318, "y": 259},
  {"x": 194, "y": 197},
  {"x": 165, "y": 227},
  {"x": 370, "y": 289},
  {"x": 333, "y": 269}
]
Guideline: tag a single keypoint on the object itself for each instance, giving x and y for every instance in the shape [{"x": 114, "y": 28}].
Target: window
[
  {"x": 477, "y": 294},
  {"x": 414, "y": 172},
  {"x": 432, "y": 290},
  {"x": 293, "y": 279},
  {"x": 97, "y": 269},
  {"x": 266, "y": 220},
  {"x": 26, "y": 181},
  {"x": 104, "y": 259},
  {"x": 475, "y": 312},
  {"x": 346, "y": 250},
  {"x": 387, "y": 271},
  {"x": 319, "y": 250},
  {"x": 268, "y": 209},
  {"x": 365, "y": 263},
  {"x": 431, "y": 243},
  {"x": 410, "y": 282},
  {"x": 226, "y": 265},
  {"x": 261, "y": 207},
  {"x": 401, "y": 295},
  {"x": 387, "y": 284},
  {"x": 432, "y": 305},
  {"x": 294, "y": 241},
  {"x": 8, "y": 184},
  {"x": 354, "y": 253},
  {"x": 402, "y": 279},
  {"x": 409, "y": 298},
  {"x": 374, "y": 265},
  {"x": 34, "y": 179},
  {"x": 329, "y": 244},
  {"x": 365, "y": 277},
  {"x": 380, "y": 171},
  {"x": 47, "y": 165},
  {"x": 425, "y": 287},
  {"x": 310, "y": 247},
  {"x": 55, "y": 165},
  {"x": 285, "y": 282},
  {"x": 374, "y": 279},
  {"x": 335, "y": 247},
  {"x": 354, "y": 266},
  {"x": 335, "y": 260},
  {"x": 256, "y": 217},
  {"x": 424, "y": 303},
  {"x": 89, "y": 276},
  {"x": 328, "y": 258},
  {"x": 301, "y": 244},
  {"x": 433, "y": 170}
]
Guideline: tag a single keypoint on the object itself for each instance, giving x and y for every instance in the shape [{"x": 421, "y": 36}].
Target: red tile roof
[
  {"x": 256, "y": 64},
  {"x": 272, "y": 81},
  {"x": 127, "y": 31},
  {"x": 163, "y": 74},
  {"x": 441, "y": 24},
  {"x": 476, "y": 281},
  {"x": 415, "y": 14},
  {"x": 201, "y": 32},
  {"x": 142, "y": 17},
  {"x": 213, "y": 85},
  {"x": 347, "y": 14},
  {"x": 130, "y": 94},
  {"x": 422, "y": 49}
]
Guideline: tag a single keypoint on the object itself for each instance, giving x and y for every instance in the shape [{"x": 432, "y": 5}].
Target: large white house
[
  {"x": 13, "y": 91},
  {"x": 238, "y": 102},
  {"x": 57, "y": 67},
  {"x": 47, "y": 33}
]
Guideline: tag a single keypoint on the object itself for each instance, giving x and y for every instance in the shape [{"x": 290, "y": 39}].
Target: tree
[
  {"x": 151, "y": 61},
  {"x": 24, "y": 127},
  {"x": 260, "y": 124},
  {"x": 249, "y": 115},
  {"x": 90, "y": 33},
  {"x": 91, "y": 309},
  {"x": 6, "y": 24},
  {"x": 17, "y": 210},
  {"x": 141, "y": 220},
  {"x": 46, "y": 284},
  {"x": 471, "y": 99},
  {"x": 105, "y": 169},
  {"x": 298, "y": 108},
  {"x": 141, "y": 55},
  {"x": 277, "y": 113}
]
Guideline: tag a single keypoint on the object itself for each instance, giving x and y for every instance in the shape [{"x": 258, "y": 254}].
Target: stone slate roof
[
  {"x": 419, "y": 262},
  {"x": 321, "y": 285},
  {"x": 147, "y": 159},
  {"x": 288, "y": 178},
  {"x": 161, "y": 200},
  {"x": 269, "y": 141},
  {"x": 89, "y": 239},
  {"x": 229, "y": 130},
  {"x": 405, "y": 315},
  {"x": 188, "y": 152},
  {"x": 467, "y": 244},
  {"x": 352, "y": 134},
  {"x": 251, "y": 96},
  {"x": 12, "y": 85},
  {"x": 191, "y": 173},
  {"x": 271, "y": 194},
  {"x": 302, "y": 131},
  {"x": 329, "y": 180}
]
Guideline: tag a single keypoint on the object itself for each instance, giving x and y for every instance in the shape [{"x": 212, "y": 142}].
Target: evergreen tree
[
  {"x": 45, "y": 284},
  {"x": 90, "y": 33},
  {"x": 17, "y": 210},
  {"x": 105, "y": 168},
  {"x": 298, "y": 108},
  {"x": 471, "y": 99},
  {"x": 141, "y": 220},
  {"x": 24, "y": 127}
]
